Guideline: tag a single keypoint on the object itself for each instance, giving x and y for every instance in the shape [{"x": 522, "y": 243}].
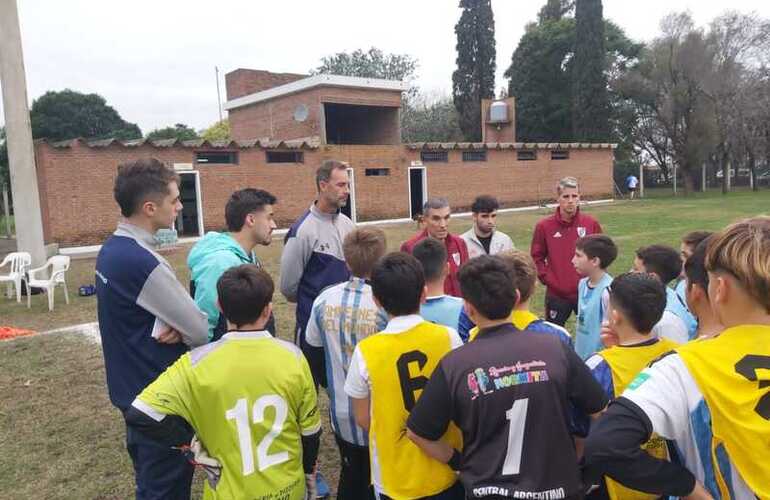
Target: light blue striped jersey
[{"x": 341, "y": 316}]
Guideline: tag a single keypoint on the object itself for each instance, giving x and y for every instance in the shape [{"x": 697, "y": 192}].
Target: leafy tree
[
  {"x": 69, "y": 114},
  {"x": 370, "y": 64},
  {"x": 541, "y": 76},
  {"x": 554, "y": 10},
  {"x": 220, "y": 131},
  {"x": 590, "y": 103},
  {"x": 430, "y": 119},
  {"x": 474, "y": 78},
  {"x": 179, "y": 131}
]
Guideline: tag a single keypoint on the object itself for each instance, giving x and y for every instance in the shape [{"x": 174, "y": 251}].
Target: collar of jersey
[
  {"x": 400, "y": 324},
  {"x": 254, "y": 334}
]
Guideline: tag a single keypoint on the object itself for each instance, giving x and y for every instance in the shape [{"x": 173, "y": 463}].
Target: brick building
[{"x": 283, "y": 125}]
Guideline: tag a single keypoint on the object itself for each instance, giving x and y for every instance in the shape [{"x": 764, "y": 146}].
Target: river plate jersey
[
  {"x": 250, "y": 398},
  {"x": 713, "y": 399},
  {"x": 509, "y": 392},
  {"x": 614, "y": 369}
]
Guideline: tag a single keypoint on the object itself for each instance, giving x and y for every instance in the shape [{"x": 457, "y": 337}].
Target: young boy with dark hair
[
  {"x": 665, "y": 263},
  {"x": 690, "y": 242},
  {"x": 230, "y": 400},
  {"x": 386, "y": 377},
  {"x": 509, "y": 392},
  {"x": 709, "y": 397},
  {"x": 438, "y": 307},
  {"x": 593, "y": 255},
  {"x": 637, "y": 301},
  {"x": 697, "y": 295},
  {"x": 525, "y": 276},
  {"x": 342, "y": 316}
]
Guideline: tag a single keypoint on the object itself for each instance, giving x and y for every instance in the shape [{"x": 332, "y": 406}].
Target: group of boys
[{"x": 419, "y": 411}]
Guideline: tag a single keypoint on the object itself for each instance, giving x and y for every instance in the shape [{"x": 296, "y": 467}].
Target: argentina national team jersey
[
  {"x": 668, "y": 393},
  {"x": 341, "y": 317}
]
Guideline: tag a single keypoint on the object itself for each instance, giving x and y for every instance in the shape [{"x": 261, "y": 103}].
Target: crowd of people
[{"x": 442, "y": 383}]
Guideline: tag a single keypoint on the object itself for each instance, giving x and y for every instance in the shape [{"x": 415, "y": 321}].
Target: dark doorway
[
  {"x": 187, "y": 220},
  {"x": 416, "y": 190},
  {"x": 350, "y": 207}
]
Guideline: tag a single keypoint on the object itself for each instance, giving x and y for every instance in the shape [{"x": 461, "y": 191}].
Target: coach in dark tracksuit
[
  {"x": 312, "y": 256},
  {"x": 553, "y": 246},
  {"x": 146, "y": 318}
]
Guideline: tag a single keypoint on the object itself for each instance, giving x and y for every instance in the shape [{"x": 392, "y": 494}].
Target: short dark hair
[
  {"x": 641, "y": 297},
  {"x": 693, "y": 238},
  {"x": 661, "y": 260},
  {"x": 489, "y": 284},
  {"x": 244, "y": 291},
  {"x": 397, "y": 283},
  {"x": 324, "y": 171},
  {"x": 695, "y": 266},
  {"x": 139, "y": 181},
  {"x": 432, "y": 255},
  {"x": 484, "y": 204},
  {"x": 598, "y": 246},
  {"x": 362, "y": 248},
  {"x": 242, "y": 203}
]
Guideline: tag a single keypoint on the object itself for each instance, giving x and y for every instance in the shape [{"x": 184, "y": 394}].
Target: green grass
[{"x": 61, "y": 438}]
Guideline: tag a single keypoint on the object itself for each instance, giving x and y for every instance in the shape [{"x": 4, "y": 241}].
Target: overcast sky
[{"x": 154, "y": 60}]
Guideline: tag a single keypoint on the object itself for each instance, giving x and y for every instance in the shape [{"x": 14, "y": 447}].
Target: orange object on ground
[{"x": 9, "y": 332}]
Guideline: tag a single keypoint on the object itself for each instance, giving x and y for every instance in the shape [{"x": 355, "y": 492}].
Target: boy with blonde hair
[{"x": 710, "y": 397}]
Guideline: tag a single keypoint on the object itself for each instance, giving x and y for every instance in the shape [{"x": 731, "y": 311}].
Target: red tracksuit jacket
[
  {"x": 553, "y": 246},
  {"x": 457, "y": 255}
]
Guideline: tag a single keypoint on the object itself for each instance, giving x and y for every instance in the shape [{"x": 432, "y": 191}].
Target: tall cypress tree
[
  {"x": 590, "y": 100},
  {"x": 474, "y": 78}
]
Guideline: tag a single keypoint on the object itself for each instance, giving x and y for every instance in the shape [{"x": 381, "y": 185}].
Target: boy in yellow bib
[
  {"x": 711, "y": 397},
  {"x": 637, "y": 301},
  {"x": 387, "y": 374}
]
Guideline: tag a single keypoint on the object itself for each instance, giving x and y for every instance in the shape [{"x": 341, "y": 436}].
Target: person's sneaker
[{"x": 321, "y": 487}]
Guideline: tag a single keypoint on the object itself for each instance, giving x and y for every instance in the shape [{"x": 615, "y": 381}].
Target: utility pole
[
  {"x": 21, "y": 154},
  {"x": 219, "y": 97}
]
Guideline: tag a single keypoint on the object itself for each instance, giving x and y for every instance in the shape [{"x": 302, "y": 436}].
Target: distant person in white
[{"x": 483, "y": 238}]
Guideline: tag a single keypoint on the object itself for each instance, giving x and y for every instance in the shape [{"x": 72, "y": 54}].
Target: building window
[
  {"x": 377, "y": 172},
  {"x": 560, "y": 155},
  {"x": 526, "y": 155},
  {"x": 285, "y": 156},
  {"x": 478, "y": 155},
  {"x": 434, "y": 156},
  {"x": 217, "y": 157}
]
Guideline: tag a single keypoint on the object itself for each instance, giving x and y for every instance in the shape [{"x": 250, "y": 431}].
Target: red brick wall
[
  {"x": 243, "y": 82},
  {"x": 79, "y": 209},
  {"x": 275, "y": 118}
]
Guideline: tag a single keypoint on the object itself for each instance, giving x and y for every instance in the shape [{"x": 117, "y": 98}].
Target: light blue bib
[{"x": 590, "y": 314}]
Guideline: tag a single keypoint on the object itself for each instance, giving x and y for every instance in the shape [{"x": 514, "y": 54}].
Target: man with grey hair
[
  {"x": 435, "y": 215},
  {"x": 312, "y": 257},
  {"x": 553, "y": 246}
]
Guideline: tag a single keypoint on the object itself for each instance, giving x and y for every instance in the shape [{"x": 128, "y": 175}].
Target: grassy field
[{"x": 59, "y": 436}]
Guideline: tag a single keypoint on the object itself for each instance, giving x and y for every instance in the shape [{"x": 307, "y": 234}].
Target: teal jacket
[{"x": 214, "y": 254}]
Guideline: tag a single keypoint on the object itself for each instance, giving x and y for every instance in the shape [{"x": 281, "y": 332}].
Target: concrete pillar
[{"x": 21, "y": 155}]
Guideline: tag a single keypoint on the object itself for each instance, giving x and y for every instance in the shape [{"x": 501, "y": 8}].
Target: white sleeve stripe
[
  {"x": 594, "y": 361},
  {"x": 148, "y": 410},
  {"x": 311, "y": 430}
]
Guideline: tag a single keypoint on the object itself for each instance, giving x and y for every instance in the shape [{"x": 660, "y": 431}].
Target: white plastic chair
[
  {"x": 59, "y": 265},
  {"x": 20, "y": 262}
]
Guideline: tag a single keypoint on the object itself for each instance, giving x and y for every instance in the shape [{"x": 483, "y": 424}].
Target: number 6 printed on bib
[{"x": 240, "y": 414}]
